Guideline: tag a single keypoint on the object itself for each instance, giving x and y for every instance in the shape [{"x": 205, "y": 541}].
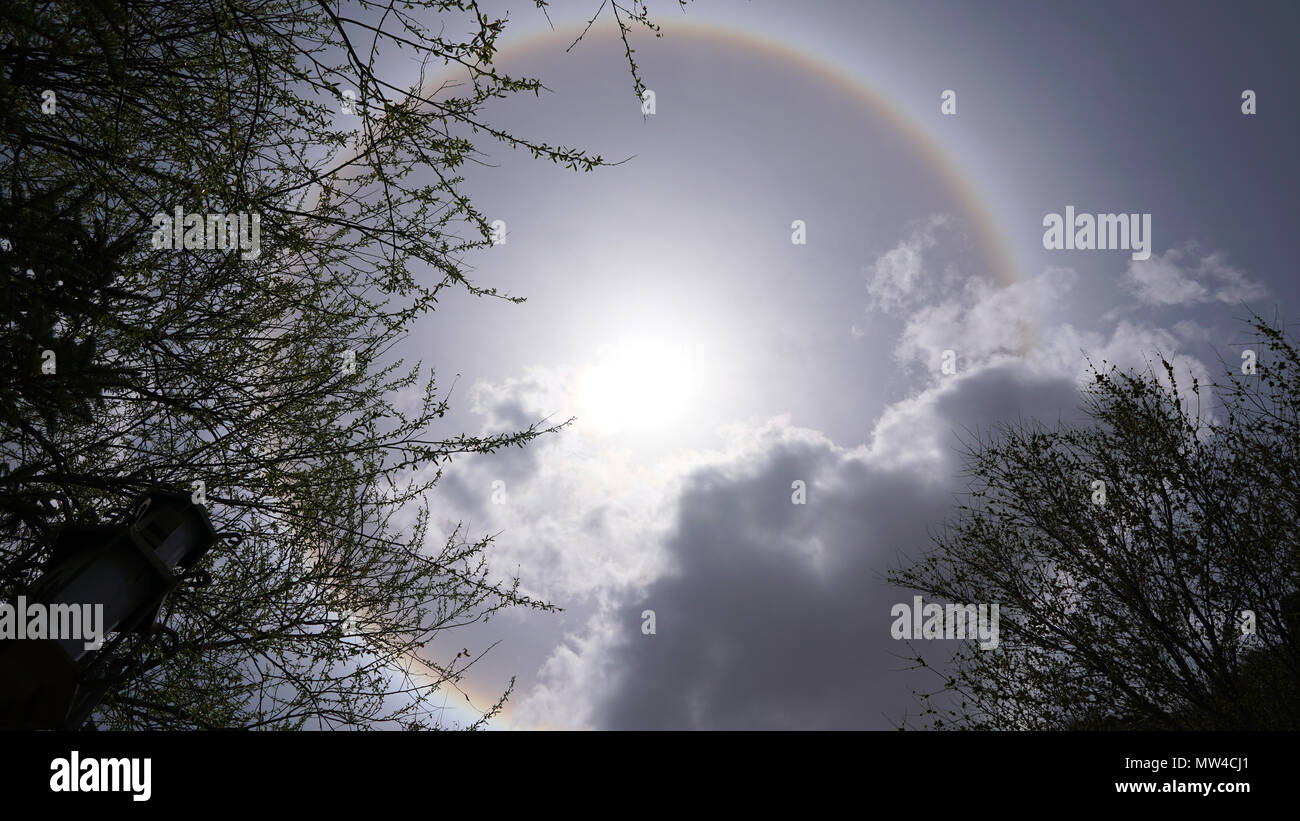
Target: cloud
[
  {"x": 899, "y": 273},
  {"x": 986, "y": 326},
  {"x": 1179, "y": 277},
  {"x": 979, "y": 320},
  {"x": 771, "y": 614},
  {"x": 582, "y": 514}
]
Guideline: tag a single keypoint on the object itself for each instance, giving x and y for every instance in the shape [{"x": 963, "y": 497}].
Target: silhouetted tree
[
  {"x": 270, "y": 378},
  {"x": 1127, "y": 610}
]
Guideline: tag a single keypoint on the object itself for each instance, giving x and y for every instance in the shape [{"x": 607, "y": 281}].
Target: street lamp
[{"x": 128, "y": 570}]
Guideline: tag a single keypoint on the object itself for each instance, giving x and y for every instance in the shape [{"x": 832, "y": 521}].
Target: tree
[
  {"x": 1131, "y": 557},
  {"x": 261, "y": 376}
]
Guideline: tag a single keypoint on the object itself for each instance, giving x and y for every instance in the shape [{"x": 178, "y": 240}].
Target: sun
[{"x": 637, "y": 384}]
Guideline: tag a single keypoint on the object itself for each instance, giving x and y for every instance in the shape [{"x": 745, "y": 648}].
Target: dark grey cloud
[{"x": 777, "y": 615}]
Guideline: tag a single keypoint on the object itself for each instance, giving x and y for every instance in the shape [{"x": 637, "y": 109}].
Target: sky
[{"x": 764, "y": 427}]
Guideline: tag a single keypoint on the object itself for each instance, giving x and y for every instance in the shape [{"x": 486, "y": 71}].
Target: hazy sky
[{"x": 712, "y": 362}]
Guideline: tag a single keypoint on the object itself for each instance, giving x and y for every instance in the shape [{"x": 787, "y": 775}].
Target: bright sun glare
[{"x": 637, "y": 384}]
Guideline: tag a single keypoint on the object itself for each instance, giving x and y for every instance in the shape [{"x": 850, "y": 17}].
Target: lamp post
[{"x": 128, "y": 570}]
